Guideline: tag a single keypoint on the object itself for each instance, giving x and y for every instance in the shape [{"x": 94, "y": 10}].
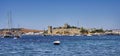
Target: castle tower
[
  {"x": 66, "y": 25},
  {"x": 49, "y": 29}
]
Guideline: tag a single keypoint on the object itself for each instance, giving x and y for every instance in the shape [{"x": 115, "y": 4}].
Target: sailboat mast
[
  {"x": 9, "y": 20},
  {"x": 78, "y": 23}
]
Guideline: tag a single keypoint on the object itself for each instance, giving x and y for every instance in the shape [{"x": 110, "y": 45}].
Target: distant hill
[
  {"x": 22, "y": 30},
  {"x": 30, "y": 30}
]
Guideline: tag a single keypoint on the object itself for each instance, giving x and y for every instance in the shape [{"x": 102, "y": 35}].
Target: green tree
[
  {"x": 83, "y": 31},
  {"x": 99, "y": 31}
]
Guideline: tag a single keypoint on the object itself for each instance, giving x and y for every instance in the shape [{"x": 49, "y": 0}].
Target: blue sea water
[{"x": 108, "y": 45}]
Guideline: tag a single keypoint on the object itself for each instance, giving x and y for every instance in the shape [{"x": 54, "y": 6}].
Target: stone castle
[{"x": 64, "y": 30}]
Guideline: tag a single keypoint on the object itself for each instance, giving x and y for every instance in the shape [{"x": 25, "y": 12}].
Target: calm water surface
[{"x": 108, "y": 45}]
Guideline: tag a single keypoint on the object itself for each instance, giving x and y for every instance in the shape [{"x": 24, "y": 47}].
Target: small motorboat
[
  {"x": 56, "y": 42},
  {"x": 15, "y": 38},
  {"x": 89, "y": 34}
]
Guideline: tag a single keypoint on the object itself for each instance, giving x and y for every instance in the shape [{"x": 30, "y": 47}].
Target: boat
[
  {"x": 10, "y": 33},
  {"x": 89, "y": 34},
  {"x": 56, "y": 42},
  {"x": 16, "y": 36}
]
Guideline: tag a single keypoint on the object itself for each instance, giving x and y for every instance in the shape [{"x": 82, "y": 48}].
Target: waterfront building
[{"x": 116, "y": 31}]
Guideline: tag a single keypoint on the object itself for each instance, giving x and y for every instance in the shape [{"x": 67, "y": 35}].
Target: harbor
[{"x": 59, "y": 27}]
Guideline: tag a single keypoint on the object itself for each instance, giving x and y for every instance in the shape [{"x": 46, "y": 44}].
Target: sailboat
[
  {"x": 7, "y": 35},
  {"x": 10, "y": 33}
]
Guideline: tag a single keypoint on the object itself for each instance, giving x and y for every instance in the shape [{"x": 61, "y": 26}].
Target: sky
[{"x": 38, "y": 14}]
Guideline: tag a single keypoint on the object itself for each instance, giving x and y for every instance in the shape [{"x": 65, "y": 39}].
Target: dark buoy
[{"x": 56, "y": 42}]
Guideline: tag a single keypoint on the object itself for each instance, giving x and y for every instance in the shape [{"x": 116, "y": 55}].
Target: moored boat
[{"x": 56, "y": 42}]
